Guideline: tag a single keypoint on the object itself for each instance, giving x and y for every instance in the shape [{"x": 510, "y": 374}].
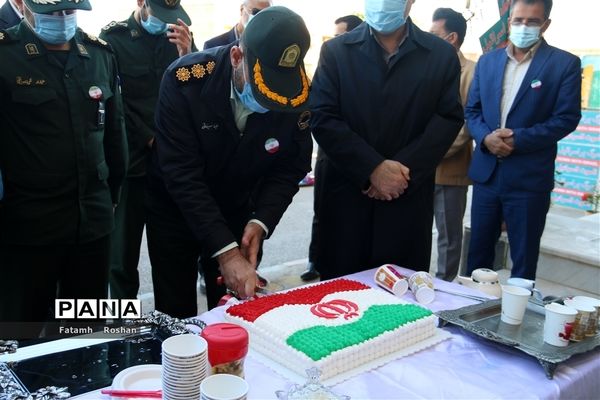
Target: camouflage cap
[
  {"x": 49, "y": 6},
  {"x": 168, "y": 11}
]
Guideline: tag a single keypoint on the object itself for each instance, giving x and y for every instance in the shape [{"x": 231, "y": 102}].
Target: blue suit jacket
[{"x": 539, "y": 117}]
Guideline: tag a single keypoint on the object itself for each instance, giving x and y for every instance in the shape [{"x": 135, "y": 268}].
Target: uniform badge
[
  {"x": 289, "y": 57},
  {"x": 304, "y": 120},
  {"x": 183, "y": 74},
  {"x": 198, "y": 71},
  {"x": 272, "y": 146},
  {"x": 95, "y": 92},
  {"x": 536, "y": 84},
  {"x": 31, "y": 49},
  {"x": 82, "y": 49}
]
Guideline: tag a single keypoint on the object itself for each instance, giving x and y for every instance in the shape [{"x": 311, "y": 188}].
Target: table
[{"x": 463, "y": 367}]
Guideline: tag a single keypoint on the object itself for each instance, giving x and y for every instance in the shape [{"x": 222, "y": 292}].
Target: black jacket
[
  {"x": 8, "y": 17},
  {"x": 221, "y": 40},
  {"x": 206, "y": 169}
]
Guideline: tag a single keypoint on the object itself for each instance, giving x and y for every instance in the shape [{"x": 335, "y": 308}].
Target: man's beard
[{"x": 238, "y": 78}]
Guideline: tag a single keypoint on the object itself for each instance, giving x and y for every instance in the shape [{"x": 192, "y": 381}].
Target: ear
[
  {"x": 236, "y": 55},
  {"x": 545, "y": 26},
  {"x": 454, "y": 39}
]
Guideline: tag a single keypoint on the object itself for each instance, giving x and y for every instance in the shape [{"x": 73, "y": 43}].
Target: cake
[{"x": 336, "y": 326}]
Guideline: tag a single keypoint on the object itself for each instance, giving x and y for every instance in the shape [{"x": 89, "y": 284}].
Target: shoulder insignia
[
  {"x": 96, "y": 40},
  {"x": 195, "y": 72},
  {"x": 4, "y": 36},
  {"x": 115, "y": 26}
]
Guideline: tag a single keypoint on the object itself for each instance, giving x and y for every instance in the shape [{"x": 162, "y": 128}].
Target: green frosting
[{"x": 320, "y": 341}]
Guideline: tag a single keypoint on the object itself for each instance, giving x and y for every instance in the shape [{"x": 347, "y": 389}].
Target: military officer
[
  {"x": 233, "y": 141},
  {"x": 154, "y": 36},
  {"x": 63, "y": 154}
]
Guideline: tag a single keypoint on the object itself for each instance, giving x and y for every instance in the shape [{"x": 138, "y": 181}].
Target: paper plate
[{"x": 140, "y": 377}]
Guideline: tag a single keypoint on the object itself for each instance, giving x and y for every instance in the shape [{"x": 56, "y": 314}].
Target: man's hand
[
  {"x": 390, "y": 179},
  {"x": 180, "y": 35},
  {"x": 377, "y": 195},
  {"x": 251, "y": 240},
  {"x": 239, "y": 274},
  {"x": 500, "y": 142}
]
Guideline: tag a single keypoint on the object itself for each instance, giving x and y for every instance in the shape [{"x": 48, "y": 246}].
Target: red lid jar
[{"x": 226, "y": 343}]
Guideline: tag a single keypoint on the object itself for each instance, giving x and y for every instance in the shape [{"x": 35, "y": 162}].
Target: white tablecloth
[{"x": 463, "y": 367}]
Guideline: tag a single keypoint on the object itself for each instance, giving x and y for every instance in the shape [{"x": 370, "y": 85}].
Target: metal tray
[{"x": 484, "y": 320}]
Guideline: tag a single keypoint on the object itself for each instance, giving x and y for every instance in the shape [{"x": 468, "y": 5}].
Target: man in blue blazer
[
  {"x": 10, "y": 14},
  {"x": 523, "y": 100}
]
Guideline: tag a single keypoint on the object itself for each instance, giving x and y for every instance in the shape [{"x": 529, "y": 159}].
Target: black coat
[
  {"x": 8, "y": 17},
  {"x": 222, "y": 40},
  {"x": 365, "y": 111},
  {"x": 208, "y": 174}
]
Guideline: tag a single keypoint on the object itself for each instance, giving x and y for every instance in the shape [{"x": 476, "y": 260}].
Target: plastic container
[{"x": 227, "y": 348}]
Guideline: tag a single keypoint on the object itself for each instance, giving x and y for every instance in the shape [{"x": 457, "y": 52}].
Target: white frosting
[{"x": 269, "y": 332}]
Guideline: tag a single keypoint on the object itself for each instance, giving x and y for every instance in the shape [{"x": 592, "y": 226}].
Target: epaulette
[
  {"x": 196, "y": 72},
  {"x": 5, "y": 37},
  {"x": 115, "y": 26},
  {"x": 97, "y": 41}
]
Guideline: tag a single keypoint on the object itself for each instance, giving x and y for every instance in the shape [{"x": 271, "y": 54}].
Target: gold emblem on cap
[
  {"x": 183, "y": 74},
  {"x": 31, "y": 49},
  {"x": 289, "y": 57},
  {"x": 198, "y": 71},
  {"x": 171, "y": 3},
  {"x": 276, "y": 97}
]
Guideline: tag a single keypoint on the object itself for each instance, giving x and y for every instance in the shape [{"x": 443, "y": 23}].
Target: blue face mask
[
  {"x": 248, "y": 100},
  {"x": 55, "y": 29},
  {"x": 524, "y": 36},
  {"x": 154, "y": 26},
  {"x": 385, "y": 16}
]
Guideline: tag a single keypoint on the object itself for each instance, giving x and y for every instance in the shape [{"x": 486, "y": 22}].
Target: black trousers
[
  {"x": 31, "y": 277},
  {"x": 126, "y": 239},
  {"x": 313, "y": 249}
]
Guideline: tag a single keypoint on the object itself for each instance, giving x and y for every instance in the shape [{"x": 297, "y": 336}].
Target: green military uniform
[
  {"x": 142, "y": 60},
  {"x": 63, "y": 154}
]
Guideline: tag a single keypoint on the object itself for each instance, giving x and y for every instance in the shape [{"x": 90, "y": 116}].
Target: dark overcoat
[{"x": 364, "y": 111}]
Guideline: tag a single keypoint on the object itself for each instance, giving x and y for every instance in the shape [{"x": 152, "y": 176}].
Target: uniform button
[{"x": 67, "y": 76}]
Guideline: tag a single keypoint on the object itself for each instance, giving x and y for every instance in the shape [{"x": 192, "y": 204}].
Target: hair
[
  {"x": 352, "y": 21},
  {"x": 453, "y": 22},
  {"x": 547, "y": 5}
]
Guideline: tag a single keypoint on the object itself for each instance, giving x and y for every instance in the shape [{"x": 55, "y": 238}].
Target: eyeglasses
[{"x": 535, "y": 22}]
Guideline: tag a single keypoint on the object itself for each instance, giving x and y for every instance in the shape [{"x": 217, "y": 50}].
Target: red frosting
[{"x": 251, "y": 310}]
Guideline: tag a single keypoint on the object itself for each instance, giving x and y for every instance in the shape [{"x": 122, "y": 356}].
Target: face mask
[
  {"x": 154, "y": 26},
  {"x": 247, "y": 98},
  {"x": 55, "y": 29},
  {"x": 385, "y": 16},
  {"x": 524, "y": 36}
]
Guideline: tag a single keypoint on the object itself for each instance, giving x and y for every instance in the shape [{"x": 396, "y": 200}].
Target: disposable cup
[
  {"x": 558, "y": 325},
  {"x": 223, "y": 387},
  {"x": 421, "y": 284},
  {"x": 595, "y": 318},
  {"x": 391, "y": 280},
  {"x": 583, "y": 320},
  {"x": 514, "y": 304}
]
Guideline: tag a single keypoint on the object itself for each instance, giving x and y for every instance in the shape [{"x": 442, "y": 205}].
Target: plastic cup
[
  {"x": 223, "y": 387},
  {"x": 583, "y": 320},
  {"x": 558, "y": 325},
  {"x": 514, "y": 304},
  {"x": 391, "y": 280},
  {"x": 421, "y": 284}
]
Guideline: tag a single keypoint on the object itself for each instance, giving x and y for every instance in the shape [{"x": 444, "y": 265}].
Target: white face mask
[{"x": 385, "y": 16}]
